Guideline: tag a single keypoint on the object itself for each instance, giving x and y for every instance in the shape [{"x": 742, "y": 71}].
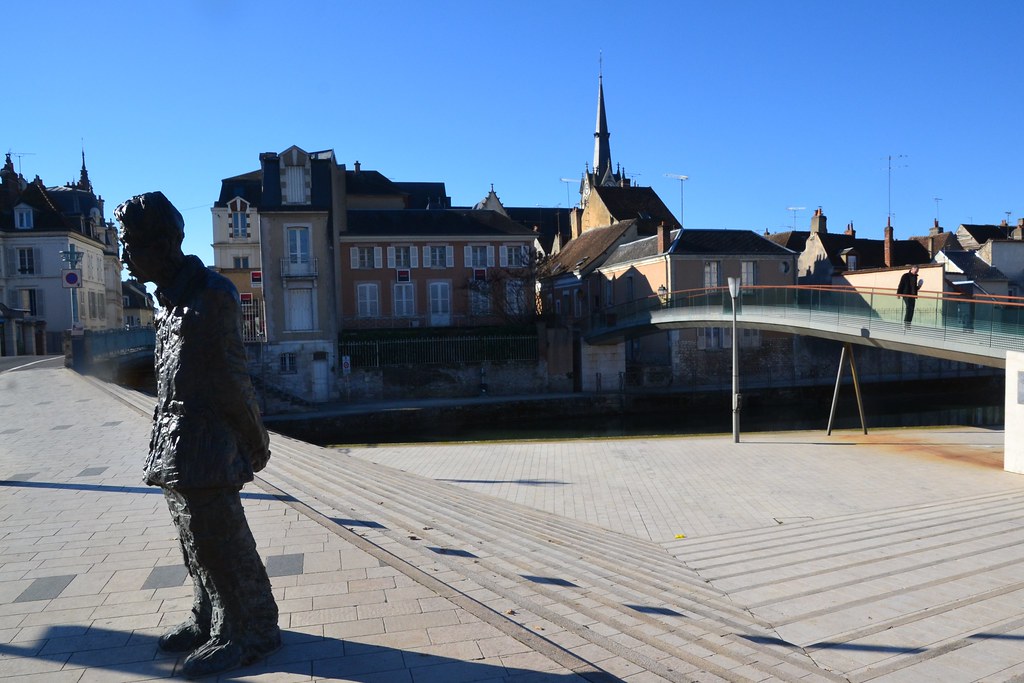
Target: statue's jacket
[{"x": 207, "y": 431}]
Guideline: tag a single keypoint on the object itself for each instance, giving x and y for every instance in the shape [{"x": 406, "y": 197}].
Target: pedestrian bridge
[{"x": 954, "y": 327}]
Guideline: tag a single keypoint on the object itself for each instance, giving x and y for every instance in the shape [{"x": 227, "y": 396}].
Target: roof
[
  {"x": 939, "y": 242},
  {"x": 425, "y": 195},
  {"x": 589, "y": 250},
  {"x": 984, "y": 233},
  {"x": 248, "y": 186},
  {"x": 624, "y": 203},
  {"x": 740, "y": 242},
  {"x": 972, "y": 266},
  {"x": 433, "y": 222},
  {"x": 549, "y": 222},
  {"x": 871, "y": 252},
  {"x": 795, "y": 240},
  {"x": 369, "y": 183}
]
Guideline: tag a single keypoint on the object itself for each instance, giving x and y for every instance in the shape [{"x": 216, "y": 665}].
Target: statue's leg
[
  {"x": 195, "y": 630},
  {"x": 244, "y": 624}
]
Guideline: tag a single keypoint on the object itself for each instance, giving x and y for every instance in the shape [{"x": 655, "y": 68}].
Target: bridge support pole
[{"x": 847, "y": 352}]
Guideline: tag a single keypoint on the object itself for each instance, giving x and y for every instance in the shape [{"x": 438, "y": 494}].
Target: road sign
[
  {"x": 346, "y": 365},
  {"x": 72, "y": 278}
]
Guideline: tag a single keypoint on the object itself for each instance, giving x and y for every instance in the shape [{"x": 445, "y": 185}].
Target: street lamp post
[{"x": 734, "y": 293}]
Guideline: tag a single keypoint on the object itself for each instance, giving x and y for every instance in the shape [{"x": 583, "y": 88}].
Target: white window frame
[
  {"x": 748, "y": 273},
  {"x": 240, "y": 262},
  {"x": 404, "y": 300},
  {"x": 25, "y": 261},
  {"x": 291, "y": 324},
  {"x": 712, "y": 274},
  {"x": 23, "y": 219},
  {"x": 367, "y": 300}
]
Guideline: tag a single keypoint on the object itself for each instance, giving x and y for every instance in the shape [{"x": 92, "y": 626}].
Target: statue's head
[{"x": 151, "y": 231}]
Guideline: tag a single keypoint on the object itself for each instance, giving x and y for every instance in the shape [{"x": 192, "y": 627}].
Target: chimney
[
  {"x": 356, "y": 166},
  {"x": 849, "y": 230},
  {"x": 888, "y": 243},
  {"x": 936, "y": 229},
  {"x": 663, "y": 238},
  {"x": 818, "y": 221}
]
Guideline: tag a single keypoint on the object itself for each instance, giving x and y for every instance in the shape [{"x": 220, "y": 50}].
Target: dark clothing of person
[
  {"x": 907, "y": 289},
  {"x": 207, "y": 441},
  {"x": 207, "y": 431}
]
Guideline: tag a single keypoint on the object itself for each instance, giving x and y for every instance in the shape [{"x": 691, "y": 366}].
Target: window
[
  {"x": 709, "y": 338},
  {"x": 479, "y": 298},
  {"x": 515, "y": 297},
  {"x": 405, "y": 301},
  {"x": 26, "y": 261},
  {"x": 851, "y": 262},
  {"x": 476, "y": 256},
  {"x": 514, "y": 256},
  {"x": 289, "y": 364},
  {"x": 438, "y": 256},
  {"x": 295, "y": 184},
  {"x": 241, "y": 262},
  {"x": 365, "y": 257},
  {"x": 30, "y": 300},
  {"x": 239, "y": 224},
  {"x": 440, "y": 303},
  {"x": 23, "y": 218},
  {"x": 711, "y": 275},
  {"x": 367, "y": 301},
  {"x": 748, "y": 273},
  {"x": 297, "y": 237},
  {"x": 298, "y": 312},
  {"x": 401, "y": 257}
]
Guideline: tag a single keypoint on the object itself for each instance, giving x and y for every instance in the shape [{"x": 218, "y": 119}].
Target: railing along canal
[{"x": 981, "y": 321}]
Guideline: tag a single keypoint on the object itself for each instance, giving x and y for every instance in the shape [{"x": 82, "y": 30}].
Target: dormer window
[
  {"x": 239, "y": 218},
  {"x": 849, "y": 257},
  {"x": 23, "y": 218}
]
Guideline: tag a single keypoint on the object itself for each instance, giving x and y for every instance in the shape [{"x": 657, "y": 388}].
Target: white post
[{"x": 734, "y": 293}]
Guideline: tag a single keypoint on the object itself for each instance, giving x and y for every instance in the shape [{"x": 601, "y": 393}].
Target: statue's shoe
[
  {"x": 213, "y": 657},
  {"x": 184, "y": 637},
  {"x": 217, "y": 655}
]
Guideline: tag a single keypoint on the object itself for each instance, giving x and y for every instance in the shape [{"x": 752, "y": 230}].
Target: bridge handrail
[{"x": 991, "y": 321}]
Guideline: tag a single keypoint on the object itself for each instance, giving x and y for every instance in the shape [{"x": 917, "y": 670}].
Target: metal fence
[{"x": 377, "y": 353}]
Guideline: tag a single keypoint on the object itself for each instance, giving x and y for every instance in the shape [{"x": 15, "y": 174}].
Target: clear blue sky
[{"x": 765, "y": 105}]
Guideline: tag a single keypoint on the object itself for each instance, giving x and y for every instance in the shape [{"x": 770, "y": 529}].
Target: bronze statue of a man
[{"x": 207, "y": 441}]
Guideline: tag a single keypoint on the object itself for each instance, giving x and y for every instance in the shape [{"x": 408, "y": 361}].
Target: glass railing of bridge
[{"x": 991, "y": 320}]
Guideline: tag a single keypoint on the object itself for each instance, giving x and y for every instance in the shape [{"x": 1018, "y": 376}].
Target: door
[
  {"x": 298, "y": 251},
  {"x": 440, "y": 304}
]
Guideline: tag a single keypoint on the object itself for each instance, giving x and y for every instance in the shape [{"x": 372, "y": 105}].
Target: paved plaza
[{"x": 787, "y": 557}]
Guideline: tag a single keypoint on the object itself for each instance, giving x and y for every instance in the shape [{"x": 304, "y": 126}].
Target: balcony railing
[{"x": 298, "y": 267}]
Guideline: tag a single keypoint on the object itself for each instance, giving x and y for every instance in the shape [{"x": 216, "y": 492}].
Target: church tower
[{"x": 601, "y": 175}]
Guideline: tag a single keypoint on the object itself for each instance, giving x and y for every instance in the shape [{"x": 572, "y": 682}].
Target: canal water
[{"x": 977, "y": 402}]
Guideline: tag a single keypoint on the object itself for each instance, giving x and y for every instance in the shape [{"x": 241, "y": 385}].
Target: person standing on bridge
[
  {"x": 907, "y": 290},
  {"x": 207, "y": 441}
]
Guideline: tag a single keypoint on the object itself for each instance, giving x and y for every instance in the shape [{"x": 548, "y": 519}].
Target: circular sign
[{"x": 72, "y": 278}]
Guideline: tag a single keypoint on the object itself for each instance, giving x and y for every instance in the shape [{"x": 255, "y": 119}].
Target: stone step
[{"x": 494, "y": 544}]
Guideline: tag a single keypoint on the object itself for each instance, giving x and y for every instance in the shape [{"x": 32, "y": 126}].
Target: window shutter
[
  {"x": 40, "y": 303},
  {"x": 702, "y": 342},
  {"x": 490, "y": 256},
  {"x": 377, "y": 257},
  {"x": 726, "y": 337},
  {"x": 12, "y": 261},
  {"x": 426, "y": 257},
  {"x": 354, "y": 254},
  {"x": 503, "y": 256},
  {"x": 391, "y": 257},
  {"x": 37, "y": 263},
  {"x": 449, "y": 252},
  {"x": 414, "y": 257},
  {"x": 467, "y": 256}
]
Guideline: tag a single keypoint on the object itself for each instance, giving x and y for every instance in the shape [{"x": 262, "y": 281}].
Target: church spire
[
  {"x": 83, "y": 180},
  {"x": 602, "y": 150}
]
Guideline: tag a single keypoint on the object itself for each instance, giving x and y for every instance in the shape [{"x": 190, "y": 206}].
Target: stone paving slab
[{"x": 89, "y": 568}]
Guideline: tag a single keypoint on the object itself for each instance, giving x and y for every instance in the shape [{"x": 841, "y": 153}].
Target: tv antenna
[
  {"x": 794, "y": 209},
  {"x": 568, "y": 202},
  {"x": 937, "y": 200},
  {"x": 682, "y": 179},
  {"x": 20, "y": 155},
  {"x": 891, "y": 158}
]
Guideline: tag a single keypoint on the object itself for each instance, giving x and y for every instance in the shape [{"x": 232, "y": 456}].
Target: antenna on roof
[
  {"x": 568, "y": 202},
  {"x": 20, "y": 155},
  {"x": 891, "y": 157},
  {"x": 937, "y": 200},
  {"x": 794, "y": 209}
]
